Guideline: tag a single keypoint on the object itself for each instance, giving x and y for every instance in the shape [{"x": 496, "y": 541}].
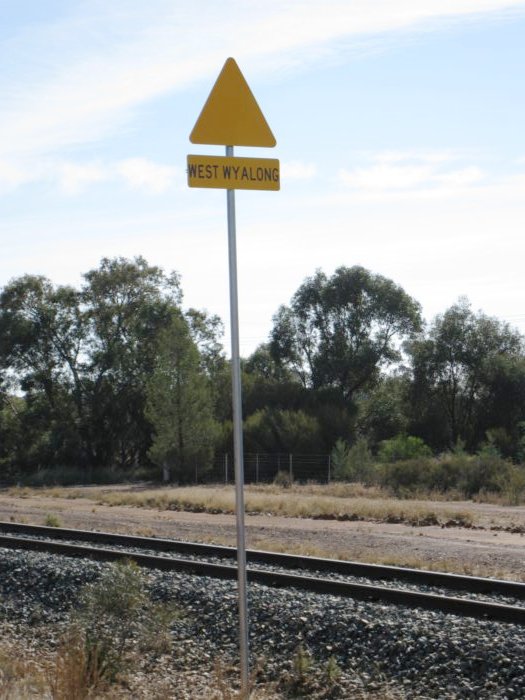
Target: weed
[
  {"x": 302, "y": 664},
  {"x": 283, "y": 480},
  {"x": 76, "y": 672},
  {"x": 223, "y": 686},
  {"x": 115, "y": 615},
  {"x": 19, "y": 677},
  {"x": 332, "y": 670},
  {"x": 52, "y": 520}
]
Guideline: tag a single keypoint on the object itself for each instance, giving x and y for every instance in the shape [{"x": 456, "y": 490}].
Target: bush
[
  {"x": 447, "y": 472},
  {"x": 116, "y": 615},
  {"x": 407, "y": 477},
  {"x": 351, "y": 463},
  {"x": 403, "y": 447},
  {"x": 486, "y": 471},
  {"x": 283, "y": 479},
  {"x": 514, "y": 487},
  {"x": 340, "y": 461},
  {"x": 52, "y": 520}
]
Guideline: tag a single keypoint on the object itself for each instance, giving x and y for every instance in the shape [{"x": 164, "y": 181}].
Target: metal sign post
[
  {"x": 237, "y": 440},
  {"x": 232, "y": 116}
]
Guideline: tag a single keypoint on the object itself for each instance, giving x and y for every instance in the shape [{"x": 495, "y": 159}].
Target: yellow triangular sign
[{"x": 231, "y": 116}]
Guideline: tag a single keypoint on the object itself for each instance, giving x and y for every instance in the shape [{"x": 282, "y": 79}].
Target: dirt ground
[{"x": 485, "y": 551}]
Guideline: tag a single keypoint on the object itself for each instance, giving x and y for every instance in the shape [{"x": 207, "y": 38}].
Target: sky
[{"x": 399, "y": 128}]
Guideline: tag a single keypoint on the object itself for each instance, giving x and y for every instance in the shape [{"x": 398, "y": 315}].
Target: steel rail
[
  {"x": 472, "y": 584},
  {"x": 459, "y": 606}
]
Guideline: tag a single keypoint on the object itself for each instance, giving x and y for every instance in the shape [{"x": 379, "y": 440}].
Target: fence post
[
  {"x": 290, "y": 467},
  {"x": 226, "y": 468},
  {"x": 329, "y": 466},
  {"x": 257, "y": 468},
  {"x": 196, "y": 473}
]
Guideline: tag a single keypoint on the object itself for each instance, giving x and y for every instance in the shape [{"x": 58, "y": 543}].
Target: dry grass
[
  {"x": 21, "y": 677},
  {"x": 296, "y": 502},
  {"x": 332, "y": 502},
  {"x": 30, "y": 674}
]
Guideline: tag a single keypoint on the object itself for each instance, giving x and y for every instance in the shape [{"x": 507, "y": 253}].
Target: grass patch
[
  {"x": 296, "y": 502},
  {"x": 52, "y": 520},
  {"x": 332, "y": 502}
]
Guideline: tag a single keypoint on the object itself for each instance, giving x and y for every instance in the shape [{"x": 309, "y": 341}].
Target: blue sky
[{"x": 399, "y": 127}]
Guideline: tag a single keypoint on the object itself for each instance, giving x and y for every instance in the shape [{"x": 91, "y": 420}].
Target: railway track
[{"x": 23, "y": 536}]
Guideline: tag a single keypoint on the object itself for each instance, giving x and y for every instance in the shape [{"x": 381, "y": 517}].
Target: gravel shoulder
[{"x": 490, "y": 551}]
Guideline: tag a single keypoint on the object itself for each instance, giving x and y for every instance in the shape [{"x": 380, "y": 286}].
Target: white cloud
[
  {"x": 463, "y": 177},
  {"x": 143, "y": 174},
  {"x": 297, "y": 170},
  {"x": 428, "y": 156},
  {"x": 428, "y": 173},
  {"x": 386, "y": 177},
  {"x": 14, "y": 175},
  {"x": 101, "y": 65},
  {"x": 74, "y": 178}
]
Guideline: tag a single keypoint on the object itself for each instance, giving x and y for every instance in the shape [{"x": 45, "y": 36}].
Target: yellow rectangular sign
[{"x": 233, "y": 173}]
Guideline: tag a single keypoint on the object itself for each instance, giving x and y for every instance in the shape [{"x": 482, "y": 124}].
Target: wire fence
[{"x": 260, "y": 467}]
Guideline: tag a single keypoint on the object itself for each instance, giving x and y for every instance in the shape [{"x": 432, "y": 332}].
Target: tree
[
  {"x": 179, "y": 405},
  {"x": 206, "y": 332},
  {"x": 43, "y": 333},
  {"x": 128, "y": 303},
  {"x": 277, "y": 430},
  {"x": 453, "y": 363},
  {"x": 382, "y": 411},
  {"x": 351, "y": 463},
  {"x": 82, "y": 357},
  {"x": 501, "y": 414},
  {"x": 340, "y": 330}
]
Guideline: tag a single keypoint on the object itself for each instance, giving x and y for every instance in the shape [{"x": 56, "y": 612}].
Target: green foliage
[
  {"x": 82, "y": 358},
  {"x": 403, "y": 447},
  {"x": 116, "y": 614},
  {"x": 406, "y": 477},
  {"x": 513, "y": 486},
  {"x": 456, "y": 471},
  {"x": 278, "y": 430},
  {"x": 353, "y": 463},
  {"x": 71, "y": 476},
  {"x": 383, "y": 410},
  {"x": 339, "y": 330},
  {"x": 52, "y": 520},
  {"x": 13, "y": 441},
  {"x": 302, "y": 664},
  {"x": 332, "y": 670},
  {"x": 468, "y": 366},
  {"x": 85, "y": 375},
  {"x": 340, "y": 461},
  {"x": 180, "y": 406},
  {"x": 486, "y": 471}
]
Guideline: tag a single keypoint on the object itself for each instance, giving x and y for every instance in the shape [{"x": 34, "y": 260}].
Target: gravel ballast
[{"x": 419, "y": 654}]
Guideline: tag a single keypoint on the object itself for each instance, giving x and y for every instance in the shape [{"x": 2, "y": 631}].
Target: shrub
[
  {"x": 486, "y": 471},
  {"x": 514, "y": 487},
  {"x": 352, "y": 463},
  {"x": 52, "y": 520},
  {"x": 403, "y": 478},
  {"x": 340, "y": 461},
  {"x": 447, "y": 472},
  {"x": 403, "y": 447},
  {"x": 283, "y": 479},
  {"x": 115, "y": 615}
]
